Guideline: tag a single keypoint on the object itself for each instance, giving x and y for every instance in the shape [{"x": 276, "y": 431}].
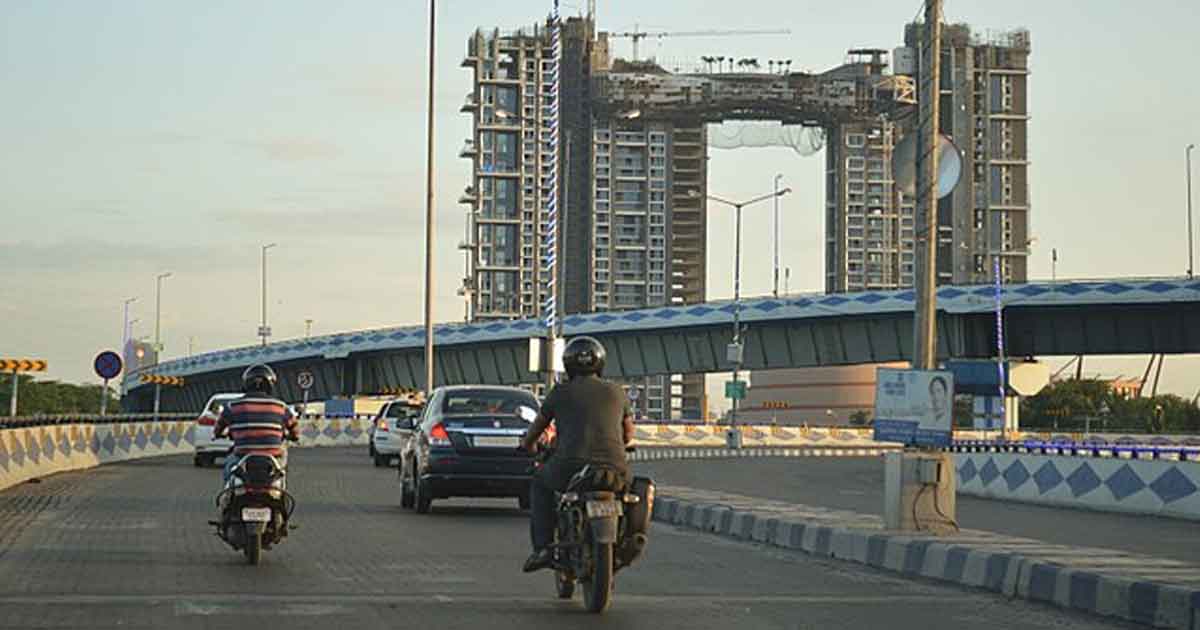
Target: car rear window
[
  {"x": 402, "y": 411},
  {"x": 470, "y": 401},
  {"x": 216, "y": 405}
]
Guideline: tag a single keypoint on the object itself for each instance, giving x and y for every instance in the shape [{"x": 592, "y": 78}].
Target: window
[{"x": 855, "y": 140}]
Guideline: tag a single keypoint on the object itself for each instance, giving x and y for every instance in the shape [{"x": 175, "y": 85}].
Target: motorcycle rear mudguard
[
  {"x": 604, "y": 529},
  {"x": 636, "y": 523}
]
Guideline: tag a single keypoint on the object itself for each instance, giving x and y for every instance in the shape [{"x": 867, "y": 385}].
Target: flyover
[{"x": 1102, "y": 317}]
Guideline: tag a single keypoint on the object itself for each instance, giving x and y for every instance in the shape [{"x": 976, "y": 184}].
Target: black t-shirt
[{"x": 589, "y": 417}]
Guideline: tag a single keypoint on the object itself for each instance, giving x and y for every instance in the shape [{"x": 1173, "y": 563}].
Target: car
[
  {"x": 466, "y": 444},
  {"x": 391, "y": 429},
  {"x": 207, "y": 449}
]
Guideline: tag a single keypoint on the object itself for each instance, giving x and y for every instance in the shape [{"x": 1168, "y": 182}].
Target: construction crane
[{"x": 638, "y": 35}]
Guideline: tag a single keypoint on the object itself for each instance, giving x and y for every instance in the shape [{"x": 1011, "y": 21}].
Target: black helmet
[
  {"x": 259, "y": 379},
  {"x": 584, "y": 355}
]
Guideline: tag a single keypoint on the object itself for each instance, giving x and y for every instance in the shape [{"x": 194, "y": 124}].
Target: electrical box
[
  {"x": 929, "y": 472},
  {"x": 733, "y": 353}
]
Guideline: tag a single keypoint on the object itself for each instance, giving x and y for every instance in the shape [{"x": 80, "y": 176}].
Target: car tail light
[
  {"x": 382, "y": 425},
  {"x": 438, "y": 436},
  {"x": 206, "y": 421}
]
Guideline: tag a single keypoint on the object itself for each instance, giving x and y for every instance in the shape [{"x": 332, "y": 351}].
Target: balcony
[
  {"x": 469, "y": 104},
  {"x": 469, "y": 150}
]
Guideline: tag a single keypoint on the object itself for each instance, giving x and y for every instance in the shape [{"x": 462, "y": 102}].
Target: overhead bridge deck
[{"x": 1041, "y": 319}]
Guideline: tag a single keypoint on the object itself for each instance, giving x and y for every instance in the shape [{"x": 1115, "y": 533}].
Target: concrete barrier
[
  {"x": 1157, "y": 487},
  {"x": 703, "y": 435},
  {"x": 37, "y": 451}
]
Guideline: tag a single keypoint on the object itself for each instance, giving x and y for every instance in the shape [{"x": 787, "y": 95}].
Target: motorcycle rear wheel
[
  {"x": 597, "y": 591},
  {"x": 253, "y": 548}
]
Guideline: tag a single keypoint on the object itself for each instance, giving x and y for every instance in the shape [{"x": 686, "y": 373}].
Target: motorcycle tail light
[{"x": 438, "y": 436}]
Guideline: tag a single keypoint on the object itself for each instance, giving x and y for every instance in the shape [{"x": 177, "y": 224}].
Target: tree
[
  {"x": 51, "y": 397},
  {"x": 1077, "y": 404}
]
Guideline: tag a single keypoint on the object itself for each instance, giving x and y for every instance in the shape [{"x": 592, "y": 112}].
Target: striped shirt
[{"x": 257, "y": 425}]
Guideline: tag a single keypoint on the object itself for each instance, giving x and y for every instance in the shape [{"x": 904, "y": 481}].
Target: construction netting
[{"x": 736, "y": 135}]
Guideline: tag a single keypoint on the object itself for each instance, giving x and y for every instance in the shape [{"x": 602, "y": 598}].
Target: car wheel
[
  {"x": 371, "y": 449},
  {"x": 197, "y": 461},
  {"x": 422, "y": 500},
  {"x": 407, "y": 499},
  {"x": 523, "y": 502},
  {"x": 382, "y": 460}
]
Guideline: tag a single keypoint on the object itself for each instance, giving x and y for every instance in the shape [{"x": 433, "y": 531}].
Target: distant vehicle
[
  {"x": 465, "y": 444},
  {"x": 391, "y": 428},
  {"x": 207, "y": 449}
]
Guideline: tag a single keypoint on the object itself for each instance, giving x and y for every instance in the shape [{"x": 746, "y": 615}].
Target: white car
[
  {"x": 392, "y": 428},
  {"x": 208, "y": 449}
]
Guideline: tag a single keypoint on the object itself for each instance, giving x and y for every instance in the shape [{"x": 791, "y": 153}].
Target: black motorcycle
[
  {"x": 601, "y": 528},
  {"x": 254, "y": 507}
]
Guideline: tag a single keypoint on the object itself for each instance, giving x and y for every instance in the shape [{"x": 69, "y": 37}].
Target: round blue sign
[{"x": 108, "y": 364}]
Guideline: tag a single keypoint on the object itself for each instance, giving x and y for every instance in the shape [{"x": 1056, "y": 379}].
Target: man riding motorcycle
[
  {"x": 257, "y": 422},
  {"x": 593, "y": 423}
]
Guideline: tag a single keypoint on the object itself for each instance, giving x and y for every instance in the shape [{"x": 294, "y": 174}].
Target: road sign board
[
  {"x": 107, "y": 364},
  {"x": 735, "y": 390},
  {"x": 305, "y": 380},
  {"x": 632, "y": 393},
  {"x": 22, "y": 365},
  {"x": 162, "y": 380}
]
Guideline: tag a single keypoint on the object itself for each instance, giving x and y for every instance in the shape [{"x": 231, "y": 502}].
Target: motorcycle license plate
[
  {"x": 256, "y": 515},
  {"x": 597, "y": 509}
]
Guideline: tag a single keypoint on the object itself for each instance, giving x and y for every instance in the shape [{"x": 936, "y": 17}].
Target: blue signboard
[
  {"x": 108, "y": 364},
  {"x": 914, "y": 407}
]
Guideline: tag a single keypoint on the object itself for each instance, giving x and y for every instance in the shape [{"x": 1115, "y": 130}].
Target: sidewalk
[{"x": 1145, "y": 589}]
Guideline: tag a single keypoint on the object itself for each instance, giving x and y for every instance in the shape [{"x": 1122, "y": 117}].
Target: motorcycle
[
  {"x": 255, "y": 507},
  {"x": 601, "y": 527}
]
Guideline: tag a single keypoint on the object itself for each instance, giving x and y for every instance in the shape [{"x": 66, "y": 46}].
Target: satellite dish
[{"x": 904, "y": 165}]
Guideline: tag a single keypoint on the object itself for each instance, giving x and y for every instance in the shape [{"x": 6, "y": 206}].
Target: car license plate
[
  {"x": 256, "y": 515},
  {"x": 597, "y": 509},
  {"x": 497, "y": 442}
]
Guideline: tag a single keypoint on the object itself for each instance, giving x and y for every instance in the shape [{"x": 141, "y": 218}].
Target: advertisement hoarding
[{"x": 914, "y": 407}]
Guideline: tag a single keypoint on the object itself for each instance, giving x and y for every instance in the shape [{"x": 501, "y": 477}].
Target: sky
[{"x": 145, "y": 136}]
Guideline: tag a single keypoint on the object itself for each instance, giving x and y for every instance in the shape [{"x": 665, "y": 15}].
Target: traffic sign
[
  {"x": 162, "y": 380},
  {"x": 22, "y": 365},
  {"x": 735, "y": 390},
  {"x": 305, "y": 379},
  {"x": 107, "y": 364},
  {"x": 633, "y": 393}
]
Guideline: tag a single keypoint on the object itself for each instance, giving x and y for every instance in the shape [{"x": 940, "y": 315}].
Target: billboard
[{"x": 914, "y": 407}]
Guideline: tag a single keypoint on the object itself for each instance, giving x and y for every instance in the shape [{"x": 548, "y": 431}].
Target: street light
[
  {"x": 158, "y": 311},
  {"x": 734, "y": 351},
  {"x": 1188, "y": 153},
  {"x": 776, "y": 289},
  {"x": 263, "y": 331},
  {"x": 429, "y": 186},
  {"x": 125, "y": 326}
]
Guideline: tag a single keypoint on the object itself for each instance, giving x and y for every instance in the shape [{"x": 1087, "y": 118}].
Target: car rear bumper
[
  {"x": 213, "y": 448},
  {"x": 386, "y": 448},
  {"x": 445, "y": 485}
]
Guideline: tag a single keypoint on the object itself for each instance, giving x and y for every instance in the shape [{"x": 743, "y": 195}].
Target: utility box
[{"x": 919, "y": 492}]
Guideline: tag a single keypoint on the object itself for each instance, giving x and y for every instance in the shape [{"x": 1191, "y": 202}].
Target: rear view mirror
[{"x": 527, "y": 413}]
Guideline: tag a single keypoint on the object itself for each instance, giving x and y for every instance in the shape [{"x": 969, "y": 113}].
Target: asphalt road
[
  {"x": 127, "y": 546},
  {"x": 856, "y": 483}
]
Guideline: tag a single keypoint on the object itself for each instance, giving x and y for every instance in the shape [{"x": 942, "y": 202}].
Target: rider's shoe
[{"x": 538, "y": 560}]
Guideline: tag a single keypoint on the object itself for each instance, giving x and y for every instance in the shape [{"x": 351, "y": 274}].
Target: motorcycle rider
[
  {"x": 257, "y": 422},
  {"x": 593, "y": 424}
]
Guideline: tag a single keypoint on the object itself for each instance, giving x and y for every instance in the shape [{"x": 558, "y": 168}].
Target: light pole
[
  {"x": 998, "y": 281},
  {"x": 308, "y": 328},
  {"x": 429, "y": 171},
  {"x": 776, "y": 289},
  {"x": 734, "y": 352},
  {"x": 263, "y": 331},
  {"x": 1188, "y": 153},
  {"x": 157, "y": 338},
  {"x": 125, "y": 325}
]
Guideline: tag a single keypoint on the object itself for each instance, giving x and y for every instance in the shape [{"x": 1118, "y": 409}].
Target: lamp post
[
  {"x": 429, "y": 185},
  {"x": 775, "y": 292},
  {"x": 999, "y": 282},
  {"x": 734, "y": 351},
  {"x": 1188, "y": 153},
  {"x": 157, "y": 338},
  {"x": 263, "y": 331}
]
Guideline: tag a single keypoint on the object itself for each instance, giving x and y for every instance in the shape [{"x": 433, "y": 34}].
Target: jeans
[{"x": 541, "y": 514}]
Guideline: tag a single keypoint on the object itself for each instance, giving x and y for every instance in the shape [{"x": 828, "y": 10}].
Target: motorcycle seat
[{"x": 596, "y": 477}]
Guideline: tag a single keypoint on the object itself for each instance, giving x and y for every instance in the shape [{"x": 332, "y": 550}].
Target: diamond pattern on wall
[
  {"x": 1083, "y": 480},
  {"x": 1015, "y": 475},
  {"x": 1124, "y": 483},
  {"x": 989, "y": 472},
  {"x": 1173, "y": 486},
  {"x": 1047, "y": 477},
  {"x": 967, "y": 472}
]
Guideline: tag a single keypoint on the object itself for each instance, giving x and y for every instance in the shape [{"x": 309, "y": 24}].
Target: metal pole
[
  {"x": 308, "y": 328},
  {"x": 12, "y": 403},
  {"x": 429, "y": 171},
  {"x": 1000, "y": 348},
  {"x": 737, "y": 310},
  {"x": 157, "y": 399},
  {"x": 1191, "y": 264},
  {"x": 925, "y": 322},
  {"x": 104, "y": 398},
  {"x": 262, "y": 331},
  {"x": 777, "y": 178}
]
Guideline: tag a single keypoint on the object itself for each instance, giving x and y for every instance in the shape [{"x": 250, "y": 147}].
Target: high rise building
[
  {"x": 631, "y": 228},
  {"x": 985, "y": 111}
]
